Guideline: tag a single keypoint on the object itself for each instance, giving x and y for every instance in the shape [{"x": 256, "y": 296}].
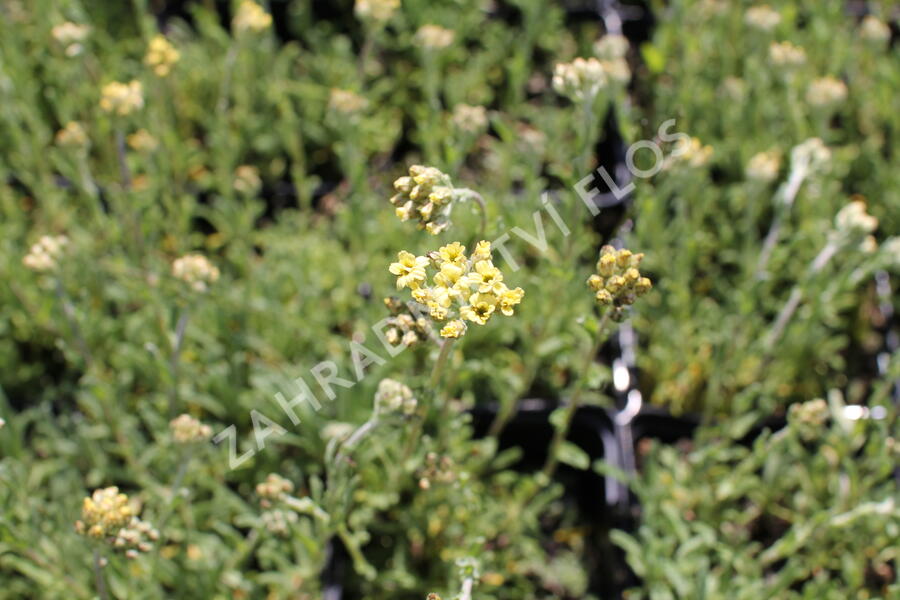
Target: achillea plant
[
  {"x": 617, "y": 284},
  {"x": 463, "y": 289}
]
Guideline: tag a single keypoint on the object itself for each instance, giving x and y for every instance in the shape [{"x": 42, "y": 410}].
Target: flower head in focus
[
  {"x": 434, "y": 37},
  {"x": 462, "y": 289},
  {"x": 618, "y": 283},
  {"x": 70, "y": 36},
  {"x": 122, "y": 98},
  {"x": 161, "y": 55},
  {"x": 250, "y": 16},
  {"x": 43, "y": 255},
  {"x": 196, "y": 271}
]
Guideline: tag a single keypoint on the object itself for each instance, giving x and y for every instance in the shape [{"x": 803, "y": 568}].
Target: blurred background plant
[{"x": 195, "y": 212}]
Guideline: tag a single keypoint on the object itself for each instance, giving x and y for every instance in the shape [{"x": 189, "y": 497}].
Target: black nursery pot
[{"x": 585, "y": 491}]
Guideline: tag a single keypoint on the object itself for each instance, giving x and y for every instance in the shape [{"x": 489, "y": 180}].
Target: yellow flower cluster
[
  {"x": 186, "y": 430},
  {"x": 70, "y": 36},
  {"x": 376, "y": 10},
  {"x": 161, "y": 55},
  {"x": 44, "y": 254},
  {"x": 104, "y": 513},
  {"x": 394, "y": 397},
  {"x": 471, "y": 287},
  {"x": 122, "y": 98},
  {"x": 196, "y": 270},
  {"x": 427, "y": 194},
  {"x": 434, "y": 37},
  {"x": 618, "y": 282},
  {"x": 72, "y": 135},
  {"x": 250, "y": 16}
]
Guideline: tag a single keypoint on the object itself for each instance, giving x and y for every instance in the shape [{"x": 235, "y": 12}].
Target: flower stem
[
  {"x": 69, "y": 312},
  {"x": 174, "y": 360},
  {"x": 98, "y": 576},
  {"x": 559, "y": 434}
]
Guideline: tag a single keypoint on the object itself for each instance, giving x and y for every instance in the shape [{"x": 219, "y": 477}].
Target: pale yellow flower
[
  {"x": 142, "y": 141},
  {"x": 376, "y": 10},
  {"x": 763, "y": 166},
  {"x": 122, "y": 98},
  {"x": 434, "y": 37},
  {"x": 762, "y": 17},
  {"x": 43, "y": 255},
  {"x": 470, "y": 119},
  {"x": 488, "y": 277},
  {"x": 195, "y": 270},
  {"x": 826, "y": 92},
  {"x": 582, "y": 79},
  {"x": 409, "y": 269},
  {"x": 454, "y": 329},
  {"x": 250, "y": 16},
  {"x": 70, "y": 36},
  {"x": 346, "y": 102},
  {"x": 161, "y": 55},
  {"x": 480, "y": 308},
  {"x": 247, "y": 180},
  {"x": 72, "y": 135},
  {"x": 509, "y": 299},
  {"x": 186, "y": 430}
]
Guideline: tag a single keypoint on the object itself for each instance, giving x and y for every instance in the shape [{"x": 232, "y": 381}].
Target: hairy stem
[{"x": 559, "y": 434}]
